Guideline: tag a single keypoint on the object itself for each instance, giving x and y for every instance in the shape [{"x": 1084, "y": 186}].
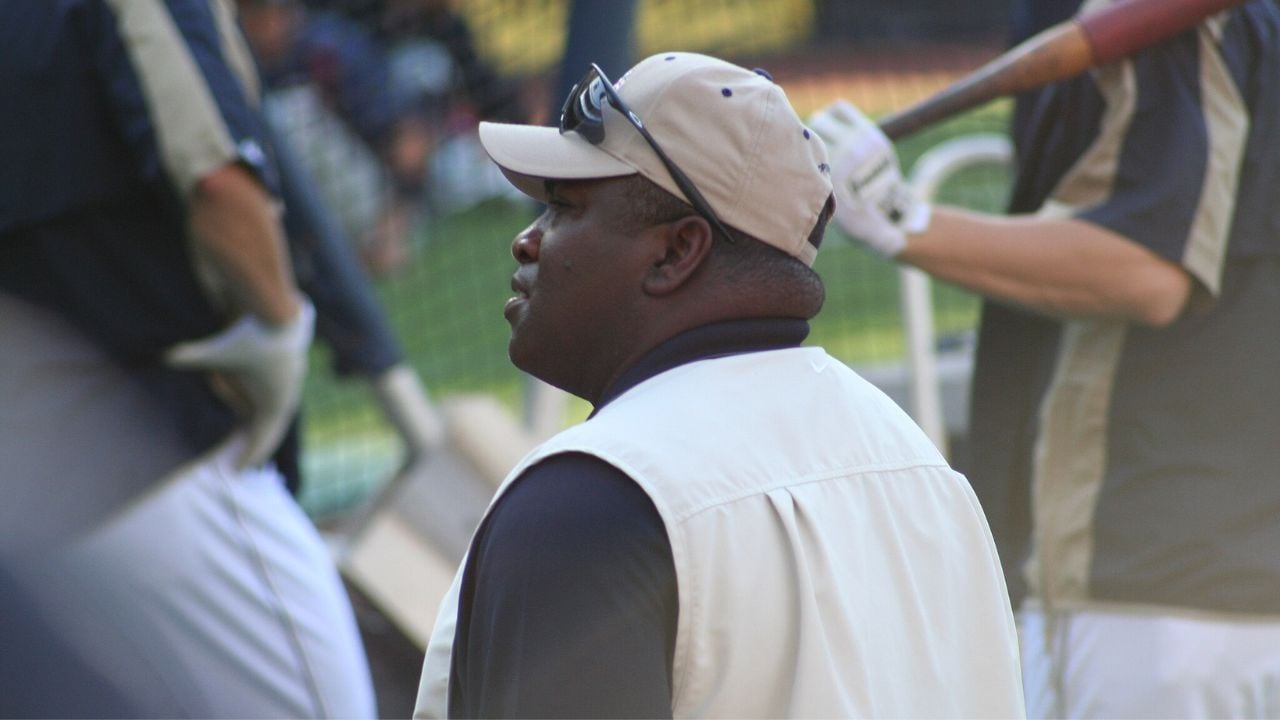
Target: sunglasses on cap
[{"x": 583, "y": 113}]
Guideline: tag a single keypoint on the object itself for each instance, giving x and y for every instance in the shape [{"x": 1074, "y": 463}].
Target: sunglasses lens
[
  {"x": 582, "y": 109},
  {"x": 570, "y": 115},
  {"x": 593, "y": 100}
]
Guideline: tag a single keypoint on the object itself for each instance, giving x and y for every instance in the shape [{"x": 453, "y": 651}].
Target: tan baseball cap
[{"x": 731, "y": 130}]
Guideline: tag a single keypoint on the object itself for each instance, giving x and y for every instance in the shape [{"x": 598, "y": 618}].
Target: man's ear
[{"x": 686, "y": 244}]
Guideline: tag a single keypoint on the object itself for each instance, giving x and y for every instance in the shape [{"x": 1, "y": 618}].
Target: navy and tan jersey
[
  {"x": 1135, "y": 465},
  {"x": 103, "y": 141}
]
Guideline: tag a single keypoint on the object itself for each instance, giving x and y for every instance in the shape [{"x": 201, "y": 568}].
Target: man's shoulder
[{"x": 566, "y": 503}]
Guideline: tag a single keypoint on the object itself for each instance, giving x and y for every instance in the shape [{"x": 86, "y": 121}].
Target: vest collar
[{"x": 731, "y": 337}]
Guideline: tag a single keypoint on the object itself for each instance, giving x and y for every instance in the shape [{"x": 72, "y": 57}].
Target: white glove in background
[
  {"x": 267, "y": 365},
  {"x": 873, "y": 203}
]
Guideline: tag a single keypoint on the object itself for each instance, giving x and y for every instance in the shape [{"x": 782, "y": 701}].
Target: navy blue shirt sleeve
[
  {"x": 1156, "y": 194},
  {"x": 568, "y": 602}
]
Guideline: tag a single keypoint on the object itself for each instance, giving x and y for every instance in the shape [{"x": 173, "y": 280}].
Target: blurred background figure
[
  {"x": 155, "y": 350},
  {"x": 327, "y": 88},
  {"x": 381, "y": 99},
  {"x": 434, "y": 59},
  {"x": 436, "y": 68}
]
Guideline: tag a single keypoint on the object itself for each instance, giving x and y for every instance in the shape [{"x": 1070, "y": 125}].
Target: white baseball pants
[
  {"x": 227, "y": 598},
  {"x": 1092, "y": 664}
]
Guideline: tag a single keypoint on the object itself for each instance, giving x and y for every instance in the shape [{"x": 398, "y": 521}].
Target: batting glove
[
  {"x": 873, "y": 203},
  {"x": 266, "y": 366}
]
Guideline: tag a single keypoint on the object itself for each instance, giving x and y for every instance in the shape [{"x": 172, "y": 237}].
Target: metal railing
[{"x": 928, "y": 175}]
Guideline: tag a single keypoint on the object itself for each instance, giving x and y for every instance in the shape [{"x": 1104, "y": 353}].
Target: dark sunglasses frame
[{"x": 583, "y": 113}]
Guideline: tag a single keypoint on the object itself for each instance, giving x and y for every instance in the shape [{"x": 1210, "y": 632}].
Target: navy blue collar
[{"x": 731, "y": 337}]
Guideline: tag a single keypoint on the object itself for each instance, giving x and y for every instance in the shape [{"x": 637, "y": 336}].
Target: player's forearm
[
  {"x": 1059, "y": 267},
  {"x": 235, "y": 226}
]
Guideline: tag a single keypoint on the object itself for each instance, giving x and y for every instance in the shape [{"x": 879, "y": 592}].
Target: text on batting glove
[
  {"x": 873, "y": 203},
  {"x": 266, "y": 364}
]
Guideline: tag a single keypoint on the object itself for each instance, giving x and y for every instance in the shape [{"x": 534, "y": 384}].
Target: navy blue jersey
[{"x": 103, "y": 142}]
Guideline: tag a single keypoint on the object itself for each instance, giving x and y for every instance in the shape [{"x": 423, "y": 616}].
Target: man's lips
[
  {"x": 521, "y": 291},
  {"x": 520, "y": 287}
]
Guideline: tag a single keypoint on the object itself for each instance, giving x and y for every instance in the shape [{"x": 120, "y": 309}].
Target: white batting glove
[
  {"x": 266, "y": 365},
  {"x": 873, "y": 203}
]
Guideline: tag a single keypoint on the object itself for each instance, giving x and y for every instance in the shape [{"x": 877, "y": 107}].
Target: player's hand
[
  {"x": 873, "y": 203},
  {"x": 265, "y": 365}
]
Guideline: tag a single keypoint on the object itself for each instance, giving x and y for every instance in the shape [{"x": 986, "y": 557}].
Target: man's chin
[
  {"x": 535, "y": 364},
  {"x": 518, "y": 354}
]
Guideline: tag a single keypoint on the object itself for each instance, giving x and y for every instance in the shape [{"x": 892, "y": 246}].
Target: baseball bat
[{"x": 1059, "y": 52}]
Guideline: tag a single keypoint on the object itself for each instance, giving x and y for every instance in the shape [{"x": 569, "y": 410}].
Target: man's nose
[{"x": 526, "y": 245}]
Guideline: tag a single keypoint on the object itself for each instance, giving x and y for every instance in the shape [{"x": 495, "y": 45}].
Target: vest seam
[{"x": 838, "y": 474}]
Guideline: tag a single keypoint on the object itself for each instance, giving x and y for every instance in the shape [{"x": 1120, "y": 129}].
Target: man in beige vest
[{"x": 743, "y": 527}]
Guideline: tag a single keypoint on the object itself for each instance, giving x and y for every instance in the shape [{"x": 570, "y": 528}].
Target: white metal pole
[{"x": 930, "y": 171}]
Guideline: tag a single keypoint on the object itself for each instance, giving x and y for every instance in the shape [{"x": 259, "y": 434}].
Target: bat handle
[{"x": 1058, "y": 52}]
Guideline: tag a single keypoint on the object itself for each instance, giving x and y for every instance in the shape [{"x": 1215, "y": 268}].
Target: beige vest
[{"x": 829, "y": 562}]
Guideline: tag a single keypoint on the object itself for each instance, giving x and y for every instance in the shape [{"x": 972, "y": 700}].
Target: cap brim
[{"x": 530, "y": 154}]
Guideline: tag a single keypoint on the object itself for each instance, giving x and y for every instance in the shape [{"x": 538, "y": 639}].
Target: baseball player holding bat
[
  {"x": 155, "y": 347},
  {"x": 1125, "y": 407}
]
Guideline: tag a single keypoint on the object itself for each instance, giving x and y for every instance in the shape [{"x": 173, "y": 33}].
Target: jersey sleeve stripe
[
  {"x": 192, "y": 134},
  {"x": 1227, "y": 121}
]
